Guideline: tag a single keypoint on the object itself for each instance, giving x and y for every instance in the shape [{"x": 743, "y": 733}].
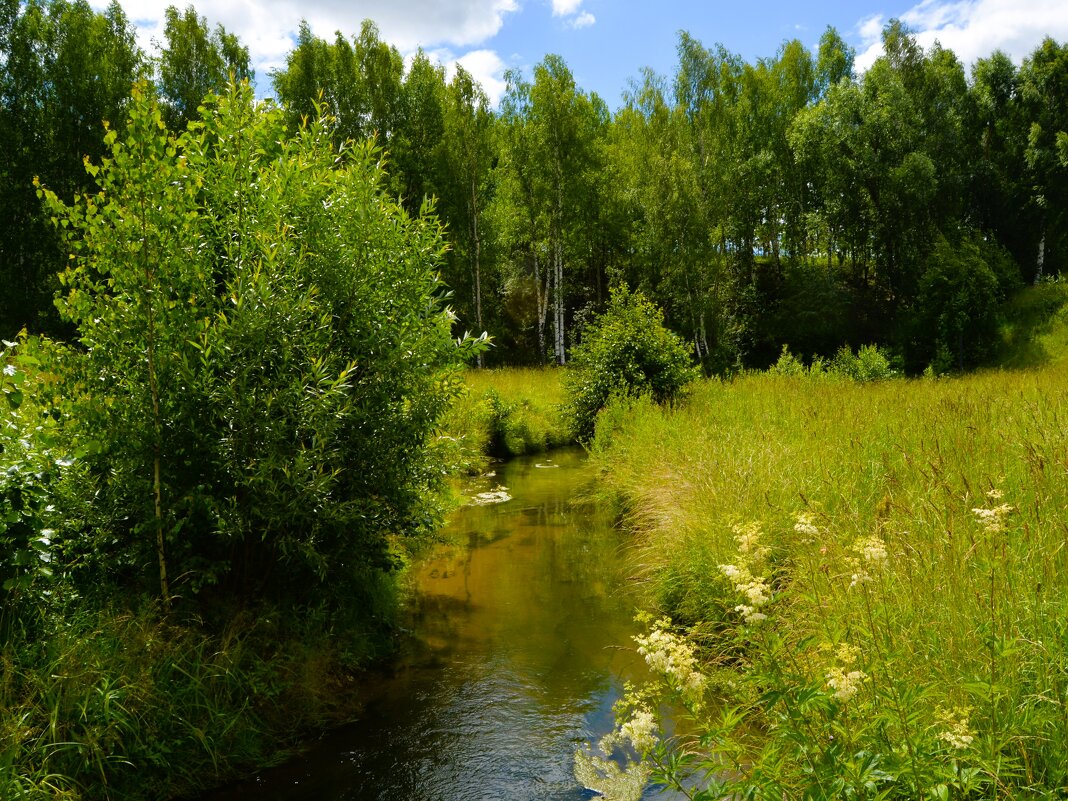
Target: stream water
[{"x": 521, "y": 630}]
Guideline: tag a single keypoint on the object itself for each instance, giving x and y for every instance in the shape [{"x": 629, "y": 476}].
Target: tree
[
  {"x": 957, "y": 319},
  {"x": 64, "y": 70},
  {"x": 361, "y": 83},
  {"x": 195, "y": 61},
  {"x": 625, "y": 351},
  {"x": 468, "y": 148},
  {"x": 1044, "y": 94},
  {"x": 264, "y": 349}
]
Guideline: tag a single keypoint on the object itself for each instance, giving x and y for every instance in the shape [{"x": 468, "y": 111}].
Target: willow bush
[{"x": 264, "y": 352}]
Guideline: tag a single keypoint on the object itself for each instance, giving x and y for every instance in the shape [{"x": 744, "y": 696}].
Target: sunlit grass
[
  {"x": 969, "y": 609},
  {"x": 507, "y": 412}
]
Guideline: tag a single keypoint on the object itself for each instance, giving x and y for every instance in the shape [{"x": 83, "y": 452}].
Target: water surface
[{"x": 521, "y": 625}]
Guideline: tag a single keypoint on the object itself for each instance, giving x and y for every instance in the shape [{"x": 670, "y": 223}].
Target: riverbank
[
  {"x": 514, "y": 623},
  {"x": 109, "y": 700},
  {"x": 513, "y": 411},
  {"x": 877, "y": 574}
]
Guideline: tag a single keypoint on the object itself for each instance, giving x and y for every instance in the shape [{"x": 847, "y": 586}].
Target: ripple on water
[{"x": 515, "y": 659}]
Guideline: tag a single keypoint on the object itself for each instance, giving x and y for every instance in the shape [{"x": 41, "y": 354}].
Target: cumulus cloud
[
  {"x": 573, "y": 14},
  {"x": 487, "y": 68},
  {"x": 268, "y": 27},
  {"x": 973, "y": 29}
]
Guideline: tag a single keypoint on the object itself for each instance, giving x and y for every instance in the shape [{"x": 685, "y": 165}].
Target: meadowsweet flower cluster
[
  {"x": 871, "y": 555},
  {"x": 845, "y": 685},
  {"x": 605, "y": 777},
  {"x": 805, "y": 524},
  {"x": 640, "y": 731},
  {"x": 748, "y": 538},
  {"x": 956, "y": 733},
  {"x": 755, "y": 589},
  {"x": 993, "y": 519},
  {"x": 672, "y": 657}
]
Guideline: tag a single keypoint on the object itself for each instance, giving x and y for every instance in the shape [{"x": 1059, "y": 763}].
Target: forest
[{"x": 789, "y": 201}]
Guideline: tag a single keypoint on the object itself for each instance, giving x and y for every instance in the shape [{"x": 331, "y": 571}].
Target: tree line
[{"x": 785, "y": 201}]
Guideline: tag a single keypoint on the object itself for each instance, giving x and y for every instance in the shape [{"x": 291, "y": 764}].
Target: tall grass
[
  {"x": 913, "y": 539},
  {"x": 119, "y": 705},
  {"x": 506, "y": 412}
]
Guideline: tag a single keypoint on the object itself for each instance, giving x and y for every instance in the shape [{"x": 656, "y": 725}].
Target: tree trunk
[
  {"x": 1040, "y": 262},
  {"x": 477, "y": 265}
]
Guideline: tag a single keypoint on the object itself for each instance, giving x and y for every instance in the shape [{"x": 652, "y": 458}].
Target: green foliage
[
  {"x": 957, "y": 308},
  {"x": 265, "y": 353},
  {"x": 625, "y": 351},
  {"x": 505, "y": 412},
  {"x": 64, "y": 69},
  {"x": 195, "y": 62},
  {"x": 118, "y": 704},
  {"x": 869, "y": 363},
  {"x": 29, "y": 466},
  {"x": 1035, "y": 328}
]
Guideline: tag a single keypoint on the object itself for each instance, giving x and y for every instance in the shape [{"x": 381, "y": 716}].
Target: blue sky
[{"x": 607, "y": 42}]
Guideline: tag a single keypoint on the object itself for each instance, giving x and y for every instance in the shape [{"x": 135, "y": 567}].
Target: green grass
[
  {"x": 962, "y": 619},
  {"x": 507, "y": 412},
  {"x": 120, "y": 705},
  {"x": 1035, "y": 331}
]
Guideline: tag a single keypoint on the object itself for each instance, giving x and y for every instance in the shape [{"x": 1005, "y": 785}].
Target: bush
[
  {"x": 869, "y": 363},
  {"x": 956, "y": 318},
  {"x": 625, "y": 351},
  {"x": 265, "y": 355}
]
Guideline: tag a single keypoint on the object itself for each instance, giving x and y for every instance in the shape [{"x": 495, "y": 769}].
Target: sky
[{"x": 606, "y": 43}]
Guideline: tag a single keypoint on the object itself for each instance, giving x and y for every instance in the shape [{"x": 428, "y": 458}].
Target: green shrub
[
  {"x": 869, "y": 363},
  {"x": 625, "y": 351},
  {"x": 265, "y": 354}
]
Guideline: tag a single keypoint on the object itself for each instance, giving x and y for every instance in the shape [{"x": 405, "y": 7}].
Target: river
[{"x": 520, "y": 640}]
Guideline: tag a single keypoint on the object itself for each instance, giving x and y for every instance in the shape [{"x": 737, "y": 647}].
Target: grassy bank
[
  {"x": 115, "y": 704},
  {"x": 107, "y": 698},
  {"x": 507, "y": 412},
  {"x": 877, "y": 575}
]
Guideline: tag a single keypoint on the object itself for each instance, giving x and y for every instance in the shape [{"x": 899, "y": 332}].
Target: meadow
[
  {"x": 876, "y": 575},
  {"x": 505, "y": 412}
]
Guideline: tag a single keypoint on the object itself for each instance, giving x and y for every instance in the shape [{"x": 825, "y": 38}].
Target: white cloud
[
  {"x": 268, "y": 27},
  {"x": 487, "y": 68},
  {"x": 583, "y": 20},
  {"x": 974, "y": 29},
  {"x": 565, "y": 8}
]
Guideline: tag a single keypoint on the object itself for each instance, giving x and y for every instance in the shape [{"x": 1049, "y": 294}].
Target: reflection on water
[{"x": 520, "y": 642}]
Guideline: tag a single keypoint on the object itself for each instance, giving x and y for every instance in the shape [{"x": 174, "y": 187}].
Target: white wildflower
[
  {"x": 748, "y": 539},
  {"x": 672, "y": 657},
  {"x": 872, "y": 550},
  {"x": 756, "y": 591},
  {"x": 640, "y": 730},
  {"x": 993, "y": 520},
  {"x": 749, "y": 614},
  {"x": 605, "y": 777},
  {"x": 805, "y": 524},
  {"x": 957, "y": 733},
  {"x": 734, "y": 573},
  {"x": 845, "y": 685}
]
